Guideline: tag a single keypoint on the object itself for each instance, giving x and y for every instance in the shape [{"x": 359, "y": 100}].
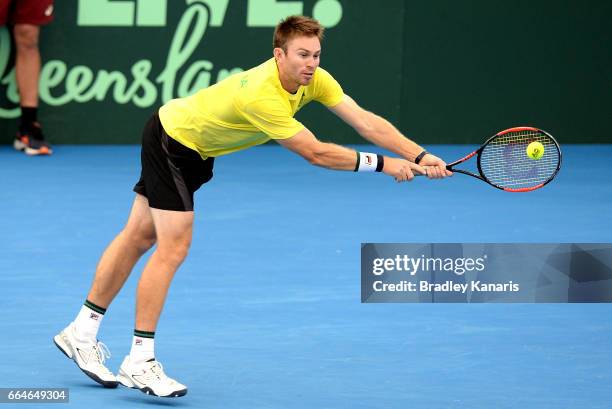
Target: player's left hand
[{"x": 436, "y": 167}]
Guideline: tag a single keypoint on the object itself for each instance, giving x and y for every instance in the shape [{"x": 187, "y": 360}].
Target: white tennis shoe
[
  {"x": 88, "y": 355},
  {"x": 149, "y": 378}
]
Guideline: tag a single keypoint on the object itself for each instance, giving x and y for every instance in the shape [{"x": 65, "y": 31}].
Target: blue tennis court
[{"x": 266, "y": 312}]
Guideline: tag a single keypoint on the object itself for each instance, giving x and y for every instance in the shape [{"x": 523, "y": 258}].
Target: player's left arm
[{"x": 381, "y": 132}]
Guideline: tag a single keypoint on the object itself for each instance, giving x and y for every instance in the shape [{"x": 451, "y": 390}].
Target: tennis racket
[{"x": 503, "y": 161}]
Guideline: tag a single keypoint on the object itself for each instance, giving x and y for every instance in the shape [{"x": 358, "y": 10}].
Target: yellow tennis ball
[{"x": 535, "y": 150}]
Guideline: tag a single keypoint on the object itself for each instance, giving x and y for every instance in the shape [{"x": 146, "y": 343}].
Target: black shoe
[{"x": 31, "y": 140}]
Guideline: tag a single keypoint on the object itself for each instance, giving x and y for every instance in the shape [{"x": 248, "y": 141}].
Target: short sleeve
[
  {"x": 327, "y": 90},
  {"x": 271, "y": 118}
]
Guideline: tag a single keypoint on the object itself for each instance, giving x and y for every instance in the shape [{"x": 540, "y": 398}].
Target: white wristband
[{"x": 368, "y": 162}]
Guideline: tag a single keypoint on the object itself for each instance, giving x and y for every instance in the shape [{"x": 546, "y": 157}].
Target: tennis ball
[{"x": 535, "y": 150}]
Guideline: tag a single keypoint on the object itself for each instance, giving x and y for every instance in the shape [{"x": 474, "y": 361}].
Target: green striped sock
[
  {"x": 144, "y": 334},
  {"x": 94, "y": 307},
  {"x": 143, "y": 346},
  {"x": 87, "y": 322}
]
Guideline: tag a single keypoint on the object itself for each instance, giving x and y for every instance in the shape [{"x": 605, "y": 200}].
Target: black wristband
[
  {"x": 381, "y": 163},
  {"x": 420, "y": 156},
  {"x": 357, "y": 164}
]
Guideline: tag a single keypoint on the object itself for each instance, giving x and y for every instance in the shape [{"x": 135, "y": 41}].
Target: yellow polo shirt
[{"x": 244, "y": 110}]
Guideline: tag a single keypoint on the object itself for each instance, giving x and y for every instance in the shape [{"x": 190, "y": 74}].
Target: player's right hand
[{"x": 401, "y": 169}]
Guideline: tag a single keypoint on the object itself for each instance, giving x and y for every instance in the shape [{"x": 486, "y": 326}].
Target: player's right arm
[{"x": 332, "y": 156}]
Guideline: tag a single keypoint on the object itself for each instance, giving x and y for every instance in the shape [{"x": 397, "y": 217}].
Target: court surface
[{"x": 266, "y": 312}]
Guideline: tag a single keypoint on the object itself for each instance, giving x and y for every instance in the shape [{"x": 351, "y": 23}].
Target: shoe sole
[
  {"x": 61, "y": 345},
  {"x": 22, "y": 147},
  {"x": 125, "y": 380}
]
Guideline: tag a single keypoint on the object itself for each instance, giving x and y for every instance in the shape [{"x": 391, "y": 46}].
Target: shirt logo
[{"x": 244, "y": 82}]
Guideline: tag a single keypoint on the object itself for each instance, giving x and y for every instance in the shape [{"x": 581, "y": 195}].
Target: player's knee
[
  {"x": 26, "y": 37},
  {"x": 143, "y": 239},
  {"x": 146, "y": 242},
  {"x": 174, "y": 251},
  {"x": 181, "y": 249}
]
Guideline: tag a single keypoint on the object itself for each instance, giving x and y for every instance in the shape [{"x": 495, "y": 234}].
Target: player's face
[{"x": 298, "y": 64}]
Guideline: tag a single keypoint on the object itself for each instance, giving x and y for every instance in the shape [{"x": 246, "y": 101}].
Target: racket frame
[{"x": 482, "y": 176}]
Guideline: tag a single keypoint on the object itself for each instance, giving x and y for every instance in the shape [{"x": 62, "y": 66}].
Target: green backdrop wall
[{"x": 443, "y": 71}]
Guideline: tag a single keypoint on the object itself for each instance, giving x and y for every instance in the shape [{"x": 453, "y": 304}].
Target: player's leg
[
  {"x": 27, "y": 17},
  {"x": 174, "y": 238},
  {"x": 140, "y": 369},
  {"x": 78, "y": 340},
  {"x": 27, "y": 68},
  {"x": 171, "y": 175},
  {"x": 27, "y": 63},
  {"x": 117, "y": 261}
]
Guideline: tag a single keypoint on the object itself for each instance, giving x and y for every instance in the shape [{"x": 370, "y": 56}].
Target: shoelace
[
  {"x": 158, "y": 370},
  {"x": 100, "y": 352}
]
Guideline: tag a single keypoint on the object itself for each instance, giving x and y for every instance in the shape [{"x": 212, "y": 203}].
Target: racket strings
[{"x": 505, "y": 163}]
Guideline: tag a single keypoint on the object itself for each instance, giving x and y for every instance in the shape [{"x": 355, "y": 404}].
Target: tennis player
[{"x": 179, "y": 146}]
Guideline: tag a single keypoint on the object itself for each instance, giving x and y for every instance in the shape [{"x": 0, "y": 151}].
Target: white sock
[
  {"x": 87, "y": 322},
  {"x": 143, "y": 347}
]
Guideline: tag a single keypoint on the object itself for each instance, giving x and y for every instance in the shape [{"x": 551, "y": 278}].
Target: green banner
[{"x": 442, "y": 71}]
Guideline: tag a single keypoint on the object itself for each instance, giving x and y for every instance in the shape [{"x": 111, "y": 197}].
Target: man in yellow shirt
[{"x": 179, "y": 146}]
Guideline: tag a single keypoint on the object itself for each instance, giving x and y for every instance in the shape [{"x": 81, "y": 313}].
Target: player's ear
[{"x": 278, "y": 52}]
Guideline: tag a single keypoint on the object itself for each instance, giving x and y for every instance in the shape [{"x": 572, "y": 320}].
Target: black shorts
[{"x": 171, "y": 172}]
